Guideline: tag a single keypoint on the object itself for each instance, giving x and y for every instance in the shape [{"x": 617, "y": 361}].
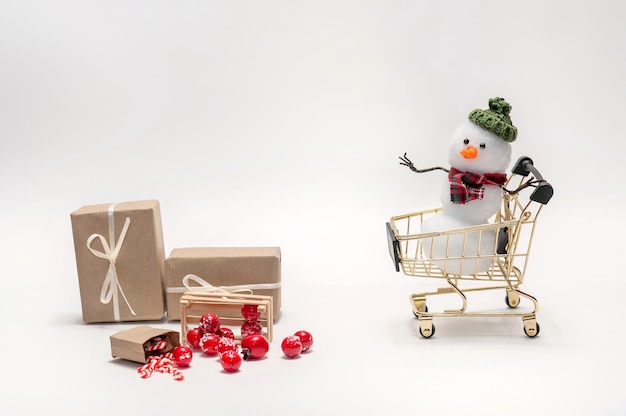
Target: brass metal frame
[{"x": 514, "y": 224}]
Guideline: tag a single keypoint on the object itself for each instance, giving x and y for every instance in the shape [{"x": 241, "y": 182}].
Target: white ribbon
[
  {"x": 111, "y": 287},
  {"x": 208, "y": 287}
]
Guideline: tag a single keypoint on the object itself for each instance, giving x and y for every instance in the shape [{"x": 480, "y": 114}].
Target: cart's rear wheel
[
  {"x": 531, "y": 328},
  {"x": 427, "y": 330}
]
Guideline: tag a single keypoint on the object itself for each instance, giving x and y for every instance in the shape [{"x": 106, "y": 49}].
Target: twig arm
[
  {"x": 531, "y": 182},
  {"x": 404, "y": 160}
]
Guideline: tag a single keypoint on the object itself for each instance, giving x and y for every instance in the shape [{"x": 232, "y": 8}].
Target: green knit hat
[{"x": 496, "y": 119}]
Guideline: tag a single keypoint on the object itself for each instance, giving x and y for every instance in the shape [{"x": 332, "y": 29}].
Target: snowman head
[
  {"x": 474, "y": 149},
  {"x": 482, "y": 144}
]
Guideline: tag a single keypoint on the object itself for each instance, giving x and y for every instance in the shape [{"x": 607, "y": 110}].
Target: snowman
[{"x": 479, "y": 154}]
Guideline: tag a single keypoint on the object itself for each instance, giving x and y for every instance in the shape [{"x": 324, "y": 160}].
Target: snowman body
[
  {"x": 446, "y": 250},
  {"x": 480, "y": 153}
]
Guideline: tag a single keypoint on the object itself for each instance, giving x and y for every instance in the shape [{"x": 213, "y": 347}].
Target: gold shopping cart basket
[{"x": 499, "y": 265}]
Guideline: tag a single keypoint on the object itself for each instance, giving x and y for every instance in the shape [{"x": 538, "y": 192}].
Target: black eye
[
  {"x": 466, "y": 141},
  {"x": 482, "y": 145}
]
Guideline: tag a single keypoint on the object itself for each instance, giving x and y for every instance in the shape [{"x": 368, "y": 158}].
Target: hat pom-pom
[{"x": 499, "y": 106}]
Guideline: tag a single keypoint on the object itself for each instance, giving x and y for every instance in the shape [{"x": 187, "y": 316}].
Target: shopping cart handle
[
  {"x": 544, "y": 191},
  {"x": 524, "y": 166}
]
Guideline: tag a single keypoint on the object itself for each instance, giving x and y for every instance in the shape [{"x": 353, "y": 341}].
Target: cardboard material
[
  {"x": 119, "y": 259},
  {"x": 132, "y": 344},
  {"x": 223, "y": 268}
]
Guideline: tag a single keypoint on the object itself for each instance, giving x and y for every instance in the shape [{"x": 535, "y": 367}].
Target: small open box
[
  {"x": 133, "y": 344},
  {"x": 228, "y": 307}
]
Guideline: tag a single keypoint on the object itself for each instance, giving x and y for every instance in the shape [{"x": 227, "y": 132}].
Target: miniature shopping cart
[{"x": 501, "y": 267}]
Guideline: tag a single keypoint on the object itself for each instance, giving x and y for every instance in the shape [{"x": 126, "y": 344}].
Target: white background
[{"x": 280, "y": 123}]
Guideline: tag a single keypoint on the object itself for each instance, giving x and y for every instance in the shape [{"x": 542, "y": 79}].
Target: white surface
[{"x": 280, "y": 123}]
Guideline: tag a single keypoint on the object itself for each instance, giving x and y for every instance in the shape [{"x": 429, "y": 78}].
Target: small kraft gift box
[
  {"x": 119, "y": 259},
  {"x": 244, "y": 270},
  {"x": 139, "y": 343}
]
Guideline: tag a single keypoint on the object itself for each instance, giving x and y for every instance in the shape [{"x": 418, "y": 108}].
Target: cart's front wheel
[{"x": 511, "y": 299}]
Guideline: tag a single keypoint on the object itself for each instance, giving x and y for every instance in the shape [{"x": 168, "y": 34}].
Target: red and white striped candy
[
  {"x": 161, "y": 364},
  {"x": 146, "y": 370},
  {"x": 178, "y": 375},
  {"x": 157, "y": 344}
]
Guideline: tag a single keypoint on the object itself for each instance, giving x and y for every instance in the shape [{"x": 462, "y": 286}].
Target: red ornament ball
[
  {"x": 230, "y": 361},
  {"x": 254, "y": 346},
  {"x": 250, "y": 312},
  {"x": 193, "y": 337},
  {"x": 226, "y": 333},
  {"x": 209, "y": 323},
  {"x": 306, "y": 338},
  {"x": 182, "y": 356},
  {"x": 226, "y": 344},
  {"x": 291, "y": 346},
  {"x": 249, "y": 328},
  {"x": 209, "y": 343}
]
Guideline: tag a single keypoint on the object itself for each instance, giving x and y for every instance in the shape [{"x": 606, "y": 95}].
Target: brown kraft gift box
[
  {"x": 252, "y": 270},
  {"x": 119, "y": 259},
  {"x": 133, "y": 344}
]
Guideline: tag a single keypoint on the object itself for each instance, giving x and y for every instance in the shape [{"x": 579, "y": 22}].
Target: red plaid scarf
[{"x": 467, "y": 186}]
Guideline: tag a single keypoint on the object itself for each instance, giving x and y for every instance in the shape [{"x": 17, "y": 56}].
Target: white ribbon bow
[
  {"x": 111, "y": 285},
  {"x": 208, "y": 287}
]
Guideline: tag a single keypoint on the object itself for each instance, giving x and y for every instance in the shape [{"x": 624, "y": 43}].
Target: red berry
[
  {"x": 182, "y": 356},
  {"x": 209, "y": 343},
  {"x": 230, "y": 361},
  {"x": 291, "y": 346},
  {"x": 306, "y": 338},
  {"x": 226, "y": 333},
  {"x": 249, "y": 328},
  {"x": 250, "y": 312},
  {"x": 226, "y": 344},
  {"x": 254, "y": 346},
  {"x": 193, "y": 337},
  {"x": 209, "y": 322}
]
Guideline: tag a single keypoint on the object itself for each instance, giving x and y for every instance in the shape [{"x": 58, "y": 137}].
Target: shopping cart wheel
[
  {"x": 531, "y": 328},
  {"x": 427, "y": 329},
  {"x": 511, "y": 299}
]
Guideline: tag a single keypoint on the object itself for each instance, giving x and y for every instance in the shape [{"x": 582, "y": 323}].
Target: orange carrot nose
[{"x": 470, "y": 152}]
